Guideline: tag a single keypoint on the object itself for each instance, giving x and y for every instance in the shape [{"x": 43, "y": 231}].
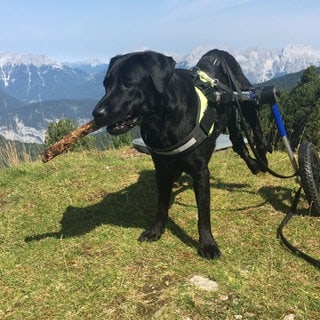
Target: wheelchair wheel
[{"x": 309, "y": 170}]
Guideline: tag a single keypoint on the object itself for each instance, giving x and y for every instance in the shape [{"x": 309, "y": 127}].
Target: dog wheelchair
[{"x": 306, "y": 170}]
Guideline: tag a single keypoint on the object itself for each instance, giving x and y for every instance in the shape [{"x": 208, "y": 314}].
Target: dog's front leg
[
  {"x": 208, "y": 247},
  {"x": 164, "y": 183}
]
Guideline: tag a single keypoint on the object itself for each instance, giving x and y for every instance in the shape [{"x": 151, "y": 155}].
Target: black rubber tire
[{"x": 309, "y": 170}]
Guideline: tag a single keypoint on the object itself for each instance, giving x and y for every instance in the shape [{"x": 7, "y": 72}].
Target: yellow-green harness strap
[
  {"x": 203, "y": 108},
  {"x": 204, "y": 123}
]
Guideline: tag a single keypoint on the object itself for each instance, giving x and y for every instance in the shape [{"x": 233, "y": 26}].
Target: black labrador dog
[{"x": 145, "y": 89}]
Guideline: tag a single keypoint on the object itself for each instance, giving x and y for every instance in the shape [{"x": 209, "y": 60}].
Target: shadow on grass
[
  {"x": 135, "y": 206},
  {"x": 281, "y": 199},
  {"x": 132, "y": 207}
]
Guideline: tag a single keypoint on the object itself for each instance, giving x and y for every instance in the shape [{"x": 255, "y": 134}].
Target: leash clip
[{"x": 205, "y": 78}]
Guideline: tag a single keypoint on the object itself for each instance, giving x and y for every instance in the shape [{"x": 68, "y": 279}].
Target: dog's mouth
[{"x": 124, "y": 125}]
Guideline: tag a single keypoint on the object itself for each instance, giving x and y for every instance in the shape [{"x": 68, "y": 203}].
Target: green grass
[{"x": 68, "y": 247}]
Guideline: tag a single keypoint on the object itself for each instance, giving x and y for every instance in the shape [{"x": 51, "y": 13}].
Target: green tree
[
  {"x": 120, "y": 141},
  {"x": 309, "y": 75},
  {"x": 301, "y": 109},
  {"x": 57, "y": 130}
]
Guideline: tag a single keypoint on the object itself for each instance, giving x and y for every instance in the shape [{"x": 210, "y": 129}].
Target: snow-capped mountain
[
  {"x": 260, "y": 64},
  {"x": 92, "y": 67},
  {"x": 35, "y": 90},
  {"x": 29, "y": 122},
  {"x": 37, "y": 78},
  {"x": 27, "y": 59}
]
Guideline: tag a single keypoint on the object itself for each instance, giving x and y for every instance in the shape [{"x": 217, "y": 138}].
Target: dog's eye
[{"x": 127, "y": 84}]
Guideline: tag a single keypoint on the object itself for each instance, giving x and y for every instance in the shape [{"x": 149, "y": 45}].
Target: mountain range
[{"x": 35, "y": 90}]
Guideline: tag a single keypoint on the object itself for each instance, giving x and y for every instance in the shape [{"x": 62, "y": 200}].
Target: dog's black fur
[{"x": 145, "y": 88}]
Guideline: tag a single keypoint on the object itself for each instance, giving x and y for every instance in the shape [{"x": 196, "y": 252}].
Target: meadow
[{"x": 69, "y": 249}]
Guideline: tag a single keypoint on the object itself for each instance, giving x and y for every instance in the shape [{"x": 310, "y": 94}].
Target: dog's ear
[
  {"x": 160, "y": 68},
  {"x": 114, "y": 60}
]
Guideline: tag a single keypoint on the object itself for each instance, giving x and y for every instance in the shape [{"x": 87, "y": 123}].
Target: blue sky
[{"x": 72, "y": 30}]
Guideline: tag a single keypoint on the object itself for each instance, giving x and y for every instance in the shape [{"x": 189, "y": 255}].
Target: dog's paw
[
  {"x": 264, "y": 165},
  {"x": 253, "y": 165},
  {"x": 210, "y": 251},
  {"x": 150, "y": 235}
]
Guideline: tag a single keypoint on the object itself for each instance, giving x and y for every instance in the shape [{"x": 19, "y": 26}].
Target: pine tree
[
  {"x": 301, "y": 106},
  {"x": 57, "y": 130}
]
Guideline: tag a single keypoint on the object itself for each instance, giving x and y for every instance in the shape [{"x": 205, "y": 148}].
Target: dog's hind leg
[
  {"x": 165, "y": 181},
  {"x": 239, "y": 146},
  {"x": 262, "y": 147},
  {"x": 208, "y": 247}
]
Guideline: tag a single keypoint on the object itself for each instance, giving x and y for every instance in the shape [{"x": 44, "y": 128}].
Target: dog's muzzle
[
  {"x": 124, "y": 125},
  {"x": 116, "y": 126}
]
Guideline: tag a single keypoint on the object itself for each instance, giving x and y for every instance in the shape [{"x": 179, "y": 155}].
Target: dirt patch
[{"x": 132, "y": 153}]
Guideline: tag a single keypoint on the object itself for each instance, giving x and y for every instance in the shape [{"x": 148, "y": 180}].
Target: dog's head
[{"x": 133, "y": 83}]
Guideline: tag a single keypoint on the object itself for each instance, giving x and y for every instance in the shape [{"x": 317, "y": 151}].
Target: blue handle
[{"x": 278, "y": 119}]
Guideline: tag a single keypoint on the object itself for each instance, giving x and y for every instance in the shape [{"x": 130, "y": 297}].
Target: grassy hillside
[
  {"x": 68, "y": 246},
  {"x": 14, "y": 152}
]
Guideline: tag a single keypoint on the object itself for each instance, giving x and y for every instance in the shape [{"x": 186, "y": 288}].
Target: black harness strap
[
  {"x": 209, "y": 117},
  {"x": 189, "y": 143}
]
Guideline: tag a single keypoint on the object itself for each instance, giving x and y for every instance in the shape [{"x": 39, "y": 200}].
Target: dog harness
[{"x": 206, "y": 116}]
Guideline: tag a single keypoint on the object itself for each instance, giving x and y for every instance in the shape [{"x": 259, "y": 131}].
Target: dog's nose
[{"x": 99, "y": 113}]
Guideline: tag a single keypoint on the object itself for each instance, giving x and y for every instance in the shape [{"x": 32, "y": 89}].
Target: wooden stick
[{"x": 66, "y": 142}]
